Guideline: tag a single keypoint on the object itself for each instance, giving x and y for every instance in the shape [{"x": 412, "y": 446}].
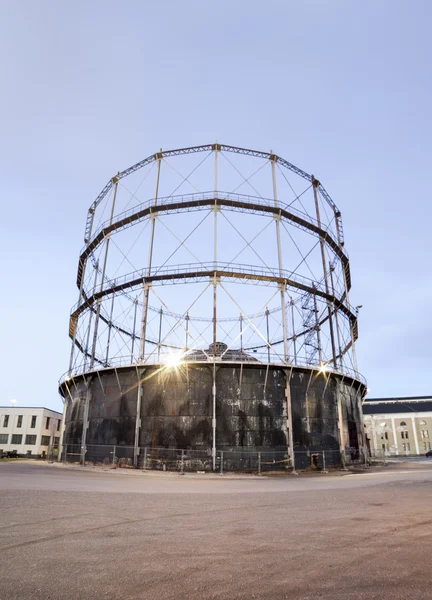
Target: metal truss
[{"x": 318, "y": 320}]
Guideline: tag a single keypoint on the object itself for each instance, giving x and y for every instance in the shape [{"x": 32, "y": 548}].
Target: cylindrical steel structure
[{"x": 160, "y": 358}]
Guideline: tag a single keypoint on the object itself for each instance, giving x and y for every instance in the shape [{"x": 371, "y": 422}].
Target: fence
[{"x": 186, "y": 460}]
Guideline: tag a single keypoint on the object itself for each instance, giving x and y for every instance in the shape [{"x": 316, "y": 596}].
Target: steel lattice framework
[{"x": 288, "y": 233}]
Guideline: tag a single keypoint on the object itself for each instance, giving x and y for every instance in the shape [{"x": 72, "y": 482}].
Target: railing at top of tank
[
  {"x": 169, "y": 360},
  {"x": 210, "y": 267},
  {"x": 218, "y": 195}
]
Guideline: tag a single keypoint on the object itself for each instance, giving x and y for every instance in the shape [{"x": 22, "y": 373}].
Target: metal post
[
  {"x": 86, "y": 350},
  {"x": 351, "y": 326},
  {"x": 153, "y": 217},
  {"x": 221, "y": 463},
  {"x": 214, "y": 418},
  {"x": 289, "y": 419},
  {"x": 336, "y": 317},
  {"x": 84, "y": 267},
  {"x": 114, "y": 455},
  {"x": 140, "y": 373},
  {"x": 259, "y": 463},
  {"x": 341, "y": 423},
  {"x": 115, "y": 181},
  {"x": 317, "y": 329},
  {"x": 63, "y": 426},
  {"x": 134, "y": 329},
  {"x": 294, "y": 337},
  {"x": 267, "y": 312},
  {"x": 324, "y": 463},
  {"x": 85, "y": 420},
  {"x": 187, "y": 331},
  {"x": 214, "y": 316},
  {"x": 109, "y": 330},
  {"x": 146, "y": 287},
  {"x": 279, "y": 250},
  {"x": 145, "y": 458},
  {"x": 241, "y": 332},
  {"x": 182, "y": 463},
  {"x": 315, "y": 184},
  {"x": 160, "y": 332}
]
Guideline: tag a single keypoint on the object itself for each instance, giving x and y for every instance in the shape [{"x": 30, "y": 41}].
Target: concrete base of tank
[{"x": 255, "y": 405}]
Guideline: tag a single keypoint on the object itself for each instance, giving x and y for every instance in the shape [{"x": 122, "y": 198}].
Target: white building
[
  {"x": 398, "y": 426},
  {"x": 29, "y": 431}
]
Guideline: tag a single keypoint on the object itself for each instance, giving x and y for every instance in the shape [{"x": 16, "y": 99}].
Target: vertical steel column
[
  {"x": 317, "y": 329},
  {"x": 294, "y": 337},
  {"x": 109, "y": 330},
  {"x": 160, "y": 332},
  {"x": 187, "y": 331},
  {"x": 315, "y": 184},
  {"x": 84, "y": 267},
  {"x": 146, "y": 287},
  {"x": 134, "y": 329},
  {"x": 86, "y": 349},
  {"x": 214, "y": 417},
  {"x": 282, "y": 286},
  {"x": 289, "y": 418},
  {"x": 153, "y": 216},
  {"x": 241, "y": 332},
  {"x": 339, "y": 392},
  {"x": 115, "y": 181},
  {"x": 85, "y": 419},
  {"x": 63, "y": 427},
  {"x": 336, "y": 317},
  {"x": 267, "y": 312},
  {"x": 140, "y": 373}
]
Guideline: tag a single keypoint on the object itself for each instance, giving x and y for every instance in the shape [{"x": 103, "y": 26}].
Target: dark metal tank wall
[
  {"x": 250, "y": 408},
  {"x": 176, "y": 408},
  {"x": 314, "y": 411}
]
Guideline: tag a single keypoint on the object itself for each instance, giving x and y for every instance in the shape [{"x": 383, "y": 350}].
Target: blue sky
[{"x": 340, "y": 88}]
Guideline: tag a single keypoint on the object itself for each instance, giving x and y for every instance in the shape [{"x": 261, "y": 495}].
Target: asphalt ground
[{"x": 79, "y": 534}]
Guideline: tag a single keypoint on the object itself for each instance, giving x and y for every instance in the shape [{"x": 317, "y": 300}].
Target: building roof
[
  {"x": 410, "y": 404},
  {"x": 33, "y": 408}
]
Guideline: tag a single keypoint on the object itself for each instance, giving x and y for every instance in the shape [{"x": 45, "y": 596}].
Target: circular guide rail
[{"x": 165, "y": 265}]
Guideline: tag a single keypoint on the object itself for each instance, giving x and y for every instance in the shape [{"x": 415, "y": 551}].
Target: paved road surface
[{"x": 80, "y": 535}]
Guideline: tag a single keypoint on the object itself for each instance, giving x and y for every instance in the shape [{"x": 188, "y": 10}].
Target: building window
[
  {"x": 30, "y": 440},
  {"x": 56, "y": 441},
  {"x": 423, "y": 422},
  {"x": 404, "y": 435},
  {"x": 33, "y": 422},
  {"x": 4, "y": 438},
  {"x": 6, "y": 421},
  {"x": 19, "y": 422},
  {"x": 45, "y": 440},
  {"x": 406, "y": 447},
  {"x": 16, "y": 439},
  {"x": 58, "y": 425},
  {"x": 424, "y": 434},
  {"x": 426, "y": 445},
  {"x": 47, "y": 423},
  {"x": 386, "y": 435},
  {"x": 402, "y": 424}
]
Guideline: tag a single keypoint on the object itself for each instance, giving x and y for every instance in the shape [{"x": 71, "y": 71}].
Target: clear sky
[{"x": 340, "y": 88}]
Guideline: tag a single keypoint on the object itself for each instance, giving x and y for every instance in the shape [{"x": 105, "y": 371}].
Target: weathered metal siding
[
  {"x": 176, "y": 408},
  {"x": 251, "y": 409},
  {"x": 250, "y": 415}
]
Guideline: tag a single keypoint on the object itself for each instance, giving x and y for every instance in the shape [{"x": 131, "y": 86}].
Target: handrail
[{"x": 255, "y": 358}]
